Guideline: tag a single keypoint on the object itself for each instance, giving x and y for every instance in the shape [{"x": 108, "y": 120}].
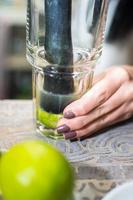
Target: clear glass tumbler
[
  {"x": 53, "y": 89},
  {"x": 74, "y": 27},
  {"x": 64, "y": 41}
]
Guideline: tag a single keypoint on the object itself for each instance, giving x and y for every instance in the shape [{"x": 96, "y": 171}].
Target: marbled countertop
[{"x": 108, "y": 156}]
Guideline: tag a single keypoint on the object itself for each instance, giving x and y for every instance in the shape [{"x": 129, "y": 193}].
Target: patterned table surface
[{"x": 109, "y": 160}]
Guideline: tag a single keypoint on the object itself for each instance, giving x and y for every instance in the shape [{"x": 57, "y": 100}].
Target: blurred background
[{"x": 15, "y": 72}]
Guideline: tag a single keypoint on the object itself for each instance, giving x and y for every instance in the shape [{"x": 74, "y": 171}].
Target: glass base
[{"x": 50, "y": 133}]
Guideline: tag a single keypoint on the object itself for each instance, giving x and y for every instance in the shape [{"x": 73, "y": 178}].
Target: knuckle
[
  {"x": 123, "y": 74},
  {"x": 83, "y": 109},
  {"x": 103, "y": 121},
  {"x": 120, "y": 73},
  {"x": 99, "y": 124},
  {"x": 100, "y": 110},
  {"x": 103, "y": 96}
]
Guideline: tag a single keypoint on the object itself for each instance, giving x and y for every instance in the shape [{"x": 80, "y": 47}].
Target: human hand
[{"x": 109, "y": 101}]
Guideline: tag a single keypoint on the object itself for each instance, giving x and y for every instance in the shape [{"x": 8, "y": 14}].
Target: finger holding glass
[{"x": 109, "y": 101}]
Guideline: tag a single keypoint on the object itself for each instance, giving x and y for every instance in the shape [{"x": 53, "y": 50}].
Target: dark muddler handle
[
  {"x": 58, "y": 42},
  {"x": 59, "y": 53}
]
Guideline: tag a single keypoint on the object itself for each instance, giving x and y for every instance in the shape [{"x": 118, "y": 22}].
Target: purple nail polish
[
  {"x": 63, "y": 129},
  {"x": 70, "y": 135},
  {"x": 69, "y": 115}
]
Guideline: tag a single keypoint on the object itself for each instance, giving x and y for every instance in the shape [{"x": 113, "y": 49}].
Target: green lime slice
[{"x": 49, "y": 120}]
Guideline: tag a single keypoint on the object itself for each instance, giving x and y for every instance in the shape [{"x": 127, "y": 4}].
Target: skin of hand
[{"x": 109, "y": 101}]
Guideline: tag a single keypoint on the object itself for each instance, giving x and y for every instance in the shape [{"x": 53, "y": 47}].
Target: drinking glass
[
  {"x": 76, "y": 25},
  {"x": 64, "y": 41},
  {"x": 53, "y": 89}
]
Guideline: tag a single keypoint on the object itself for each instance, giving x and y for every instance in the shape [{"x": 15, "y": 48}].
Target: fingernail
[
  {"x": 70, "y": 135},
  {"x": 69, "y": 115},
  {"x": 62, "y": 129}
]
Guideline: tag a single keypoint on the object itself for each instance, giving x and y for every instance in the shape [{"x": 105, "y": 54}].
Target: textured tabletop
[{"x": 109, "y": 155}]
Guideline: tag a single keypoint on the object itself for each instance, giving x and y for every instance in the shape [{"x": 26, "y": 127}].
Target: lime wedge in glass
[{"x": 49, "y": 120}]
